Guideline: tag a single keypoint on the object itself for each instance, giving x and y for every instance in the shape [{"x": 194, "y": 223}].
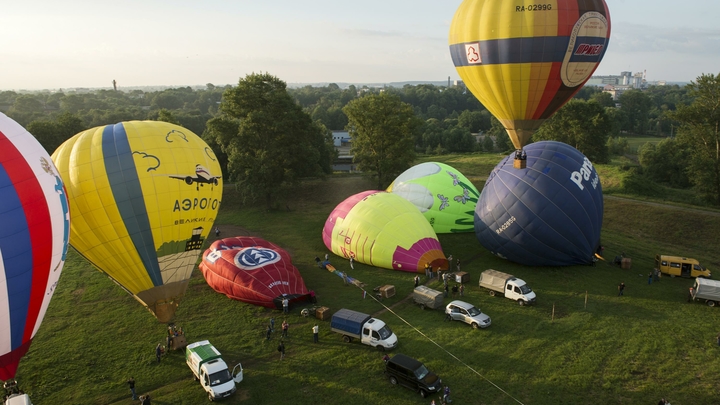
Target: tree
[
  {"x": 636, "y": 106},
  {"x": 474, "y": 121},
  {"x": 700, "y": 132},
  {"x": 382, "y": 130},
  {"x": 270, "y": 143},
  {"x": 665, "y": 162},
  {"x": 502, "y": 139},
  {"x": 582, "y": 125},
  {"x": 52, "y": 133},
  {"x": 604, "y": 99}
]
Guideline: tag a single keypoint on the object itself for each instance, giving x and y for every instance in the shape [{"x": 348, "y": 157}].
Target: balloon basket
[{"x": 520, "y": 163}]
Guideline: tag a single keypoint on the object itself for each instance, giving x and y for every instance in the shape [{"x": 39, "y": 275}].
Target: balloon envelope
[
  {"x": 547, "y": 215},
  {"x": 33, "y": 239},
  {"x": 443, "y": 195},
  {"x": 384, "y": 230},
  {"x": 524, "y": 61},
  {"x": 252, "y": 270},
  {"x": 143, "y": 196}
]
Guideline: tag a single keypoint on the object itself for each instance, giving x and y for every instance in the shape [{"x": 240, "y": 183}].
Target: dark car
[{"x": 408, "y": 372}]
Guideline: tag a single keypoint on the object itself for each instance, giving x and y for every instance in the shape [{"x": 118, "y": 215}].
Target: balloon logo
[
  {"x": 253, "y": 258},
  {"x": 253, "y": 270},
  {"x": 144, "y": 196},
  {"x": 524, "y": 62},
  {"x": 442, "y": 194},
  {"x": 384, "y": 230},
  {"x": 549, "y": 214},
  {"x": 34, "y": 234}
]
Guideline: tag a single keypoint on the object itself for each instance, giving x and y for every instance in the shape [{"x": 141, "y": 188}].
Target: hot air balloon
[
  {"x": 33, "y": 239},
  {"x": 143, "y": 195},
  {"x": 444, "y": 196},
  {"x": 549, "y": 214},
  {"x": 253, "y": 270},
  {"x": 525, "y": 61},
  {"x": 384, "y": 230}
]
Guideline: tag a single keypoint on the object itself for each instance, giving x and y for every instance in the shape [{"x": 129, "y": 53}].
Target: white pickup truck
[{"x": 211, "y": 370}]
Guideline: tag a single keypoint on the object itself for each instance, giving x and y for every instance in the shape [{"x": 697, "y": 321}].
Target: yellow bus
[{"x": 680, "y": 266}]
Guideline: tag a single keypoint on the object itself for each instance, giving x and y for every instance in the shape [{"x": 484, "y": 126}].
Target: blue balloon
[{"x": 548, "y": 214}]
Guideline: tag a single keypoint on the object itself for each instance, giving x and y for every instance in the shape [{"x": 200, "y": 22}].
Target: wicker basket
[
  {"x": 387, "y": 291},
  {"x": 322, "y": 313}
]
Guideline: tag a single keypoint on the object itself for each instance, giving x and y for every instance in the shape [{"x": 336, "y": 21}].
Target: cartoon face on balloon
[
  {"x": 442, "y": 194},
  {"x": 383, "y": 229}
]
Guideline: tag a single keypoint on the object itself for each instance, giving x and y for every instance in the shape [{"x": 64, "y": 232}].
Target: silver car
[{"x": 462, "y": 311}]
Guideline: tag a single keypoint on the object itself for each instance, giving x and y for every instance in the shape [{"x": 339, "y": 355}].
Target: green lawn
[{"x": 634, "y": 349}]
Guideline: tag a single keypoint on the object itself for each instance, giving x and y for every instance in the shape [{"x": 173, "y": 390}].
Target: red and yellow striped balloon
[{"x": 525, "y": 59}]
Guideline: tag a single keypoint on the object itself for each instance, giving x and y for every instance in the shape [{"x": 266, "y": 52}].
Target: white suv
[{"x": 462, "y": 311}]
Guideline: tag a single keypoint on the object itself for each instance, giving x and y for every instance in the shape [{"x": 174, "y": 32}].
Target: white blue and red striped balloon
[{"x": 33, "y": 239}]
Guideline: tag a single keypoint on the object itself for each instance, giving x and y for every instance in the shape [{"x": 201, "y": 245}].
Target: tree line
[{"x": 261, "y": 118}]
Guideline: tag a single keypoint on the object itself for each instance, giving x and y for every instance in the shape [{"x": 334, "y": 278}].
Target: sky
[{"x": 50, "y": 44}]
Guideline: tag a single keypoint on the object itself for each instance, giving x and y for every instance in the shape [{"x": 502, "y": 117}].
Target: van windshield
[
  {"x": 219, "y": 378},
  {"x": 384, "y": 332},
  {"x": 525, "y": 289},
  {"x": 421, "y": 372}
]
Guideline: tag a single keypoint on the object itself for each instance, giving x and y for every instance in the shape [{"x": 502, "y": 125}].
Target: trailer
[{"x": 426, "y": 297}]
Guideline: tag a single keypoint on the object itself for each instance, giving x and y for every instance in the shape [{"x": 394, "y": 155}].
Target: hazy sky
[{"x": 88, "y": 43}]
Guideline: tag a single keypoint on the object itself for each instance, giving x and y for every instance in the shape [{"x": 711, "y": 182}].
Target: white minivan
[{"x": 462, "y": 311}]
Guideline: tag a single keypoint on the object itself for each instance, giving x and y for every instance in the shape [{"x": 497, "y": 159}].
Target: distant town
[{"x": 614, "y": 84}]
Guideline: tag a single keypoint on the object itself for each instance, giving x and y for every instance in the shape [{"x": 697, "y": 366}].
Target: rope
[{"x": 444, "y": 349}]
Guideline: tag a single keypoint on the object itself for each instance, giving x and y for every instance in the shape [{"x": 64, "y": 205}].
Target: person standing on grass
[
  {"x": 285, "y": 304},
  {"x": 462, "y": 289},
  {"x": 352, "y": 261},
  {"x": 621, "y": 289},
  {"x": 268, "y": 332},
  {"x": 650, "y": 278},
  {"x": 158, "y": 352},
  {"x": 281, "y": 349},
  {"x": 417, "y": 280},
  {"x": 131, "y": 384},
  {"x": 315, "y": 330},
  {"x": 285, "y": 327}
]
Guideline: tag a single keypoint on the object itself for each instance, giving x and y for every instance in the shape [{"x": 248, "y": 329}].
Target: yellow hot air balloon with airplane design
[{"x": 143, "y": 197}]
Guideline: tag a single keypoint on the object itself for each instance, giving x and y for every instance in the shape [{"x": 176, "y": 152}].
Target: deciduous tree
[
  {"x": 582, "y": 125},
  {"x": 382, "y": 130},
  {"x": 270, "y": 143},
  {"x": 700, "y": 132}
]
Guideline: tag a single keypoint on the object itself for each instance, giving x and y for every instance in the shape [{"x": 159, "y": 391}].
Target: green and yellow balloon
[{"x": 443, "y": 195}]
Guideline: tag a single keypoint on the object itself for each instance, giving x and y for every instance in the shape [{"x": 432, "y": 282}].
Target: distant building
[
  {"x": 634, "y": 81},
  {"x": 340, "y": 138}
]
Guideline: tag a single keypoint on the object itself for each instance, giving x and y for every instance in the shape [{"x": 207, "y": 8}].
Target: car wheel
[
  {"x": 380, "y": 348},
  {"x": 347, "y": 339},
  {"x": 393, "y": 380},
  {"x": 521, "y": 302},
  {"x": 711, "y": 303},
  {"x": 423, "y": 393},
  {"x": 492, "y": 293},
  {"x": 422, "y": 306},
  {"x": 475, "y": 325}
]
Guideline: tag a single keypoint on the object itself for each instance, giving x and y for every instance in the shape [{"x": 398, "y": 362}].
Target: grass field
[{"x": 582, "y": 344}]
